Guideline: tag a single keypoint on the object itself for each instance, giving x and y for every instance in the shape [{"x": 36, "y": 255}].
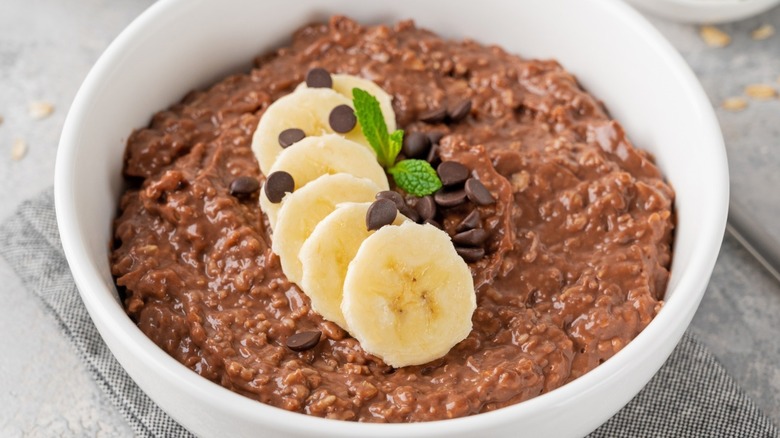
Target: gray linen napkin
[{"x": 691, "y": 396}]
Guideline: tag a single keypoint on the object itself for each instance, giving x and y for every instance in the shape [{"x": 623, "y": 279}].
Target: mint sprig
[
  {"x": 369, "y": 116},
  {"x": 415, "y": 177}
]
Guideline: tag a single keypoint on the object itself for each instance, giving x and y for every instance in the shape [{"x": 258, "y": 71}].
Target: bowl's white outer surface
[
  {"x": 705, "y": 11},
  {"x": 178, "y": 45}
]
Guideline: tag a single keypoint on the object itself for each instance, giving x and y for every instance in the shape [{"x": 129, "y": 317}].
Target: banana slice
[
  {"x": 303, "y": 209},
  {"x": 307, "y": 109},
  {"x": 343, "y": 84},
  {"x": 313, "y": 157},
  {"x": 338, "y": 238},
  {"x": 408, "y": 296}
]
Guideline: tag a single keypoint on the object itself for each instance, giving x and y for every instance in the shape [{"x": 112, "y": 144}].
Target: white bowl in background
[
  {"x": 178, "y": 45},
  {"x": 705, "y": 11}
]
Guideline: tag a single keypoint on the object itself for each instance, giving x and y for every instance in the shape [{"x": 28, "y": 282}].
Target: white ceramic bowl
[
  {"x": 178, "y": 45},
  {"x": 705, "y": 11}
]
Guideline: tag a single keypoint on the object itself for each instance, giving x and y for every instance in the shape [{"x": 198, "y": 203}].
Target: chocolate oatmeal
[{"x": 574, "y": 260}]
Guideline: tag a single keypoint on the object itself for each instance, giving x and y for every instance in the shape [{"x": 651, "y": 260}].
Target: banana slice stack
[{"x": 402, "y": 291}]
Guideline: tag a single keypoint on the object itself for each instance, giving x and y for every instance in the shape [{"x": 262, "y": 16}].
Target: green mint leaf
[
  {"x": 395, "y": 142},
  {"x": 415, "y": 177},
  {"x": 369, "y": 116}
]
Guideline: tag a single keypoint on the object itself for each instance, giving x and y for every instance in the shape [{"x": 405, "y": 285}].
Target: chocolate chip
[
  {"x": 342, "y": 119},
  {"x": 244, "y": 185},
  {"x": 416, "y": 144},
  {"x": 470, "y": 254},
  {"x": 303, "y": 341},
  {"x": 477, "y": 192},
  {"x": 433, "y": 155},
  {"x": 427, "y": 370},
  {"x": 452, "y": 173},
  {"x": 410, "y": 213},
  {"x": 459, "y": 111},
  {"x": 318, "y": 78},
  {"x": 393, "y": 196},
  {"x": 436, "y": 115},
  {"x": 474, "y": 237},
  {"x": 290, "y": 136},
  {"x": 426, "y": 206},
  {"x": 435, "y": 137},
  {"x": 400, "y": 204},
  {"x": 277, "y": 185},
  {"x": 450, "y": 198},
  {"x": 472, "y": 220},
  {"x": 380, "y": 213}
]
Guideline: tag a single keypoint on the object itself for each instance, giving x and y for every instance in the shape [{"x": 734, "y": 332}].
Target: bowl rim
[
  {"x": 705, "y": 12},
  {"x": 715, "y": 3},
  {"x": 108, "y": 314}
]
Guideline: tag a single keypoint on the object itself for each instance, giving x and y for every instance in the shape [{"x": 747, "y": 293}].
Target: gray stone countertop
[{"x": 46, "y": 50}]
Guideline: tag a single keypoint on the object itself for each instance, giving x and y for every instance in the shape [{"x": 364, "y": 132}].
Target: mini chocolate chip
[
  {"x": 380, "y": 213},
  {"x": 452, "y": 173},
  {"x": 426, "y": 206},
  {"x": 474, "y": 237},
  {"x": 435, "y": 137},
  {"x": 477, "y": 192},
  {"x": 434, "y": 223},
  {"x": 410, "y": 213},
  {"x": 472, "y": 220},
  {"x": 427, "y": 370},
  {"x": 450, "y": 198},
  {"x": 342, "y": 119},
  {"x": 470, "y": 254},
  {"x": 459, "y": 111},
  {"x": 277, "y": 185},
  {"x": 318, "y": 78},
  {"x": 433, "y": 156},
  {"x": 290, "y": 136},
  {"x": 436, "y": 115},
  {"x": 244, "y": 185},
  {"x": 303, "y": 341},
  {"x": 393, "y": 196},
  {"x": 416, "y": 144}
]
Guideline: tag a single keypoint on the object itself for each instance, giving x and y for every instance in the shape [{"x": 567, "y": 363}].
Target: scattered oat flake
[
  {"x": 520, "y": 181},
  {"x": 714, "y": 37},
  {"x": 18, "y": 150},
  {"x": 763, "y": 32},
  {"x": 1, "y": 120},
  {"x": 734, "y": 104},
  {"x": 40, "y": 109},
  {"x": 761, "y": 91}
]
